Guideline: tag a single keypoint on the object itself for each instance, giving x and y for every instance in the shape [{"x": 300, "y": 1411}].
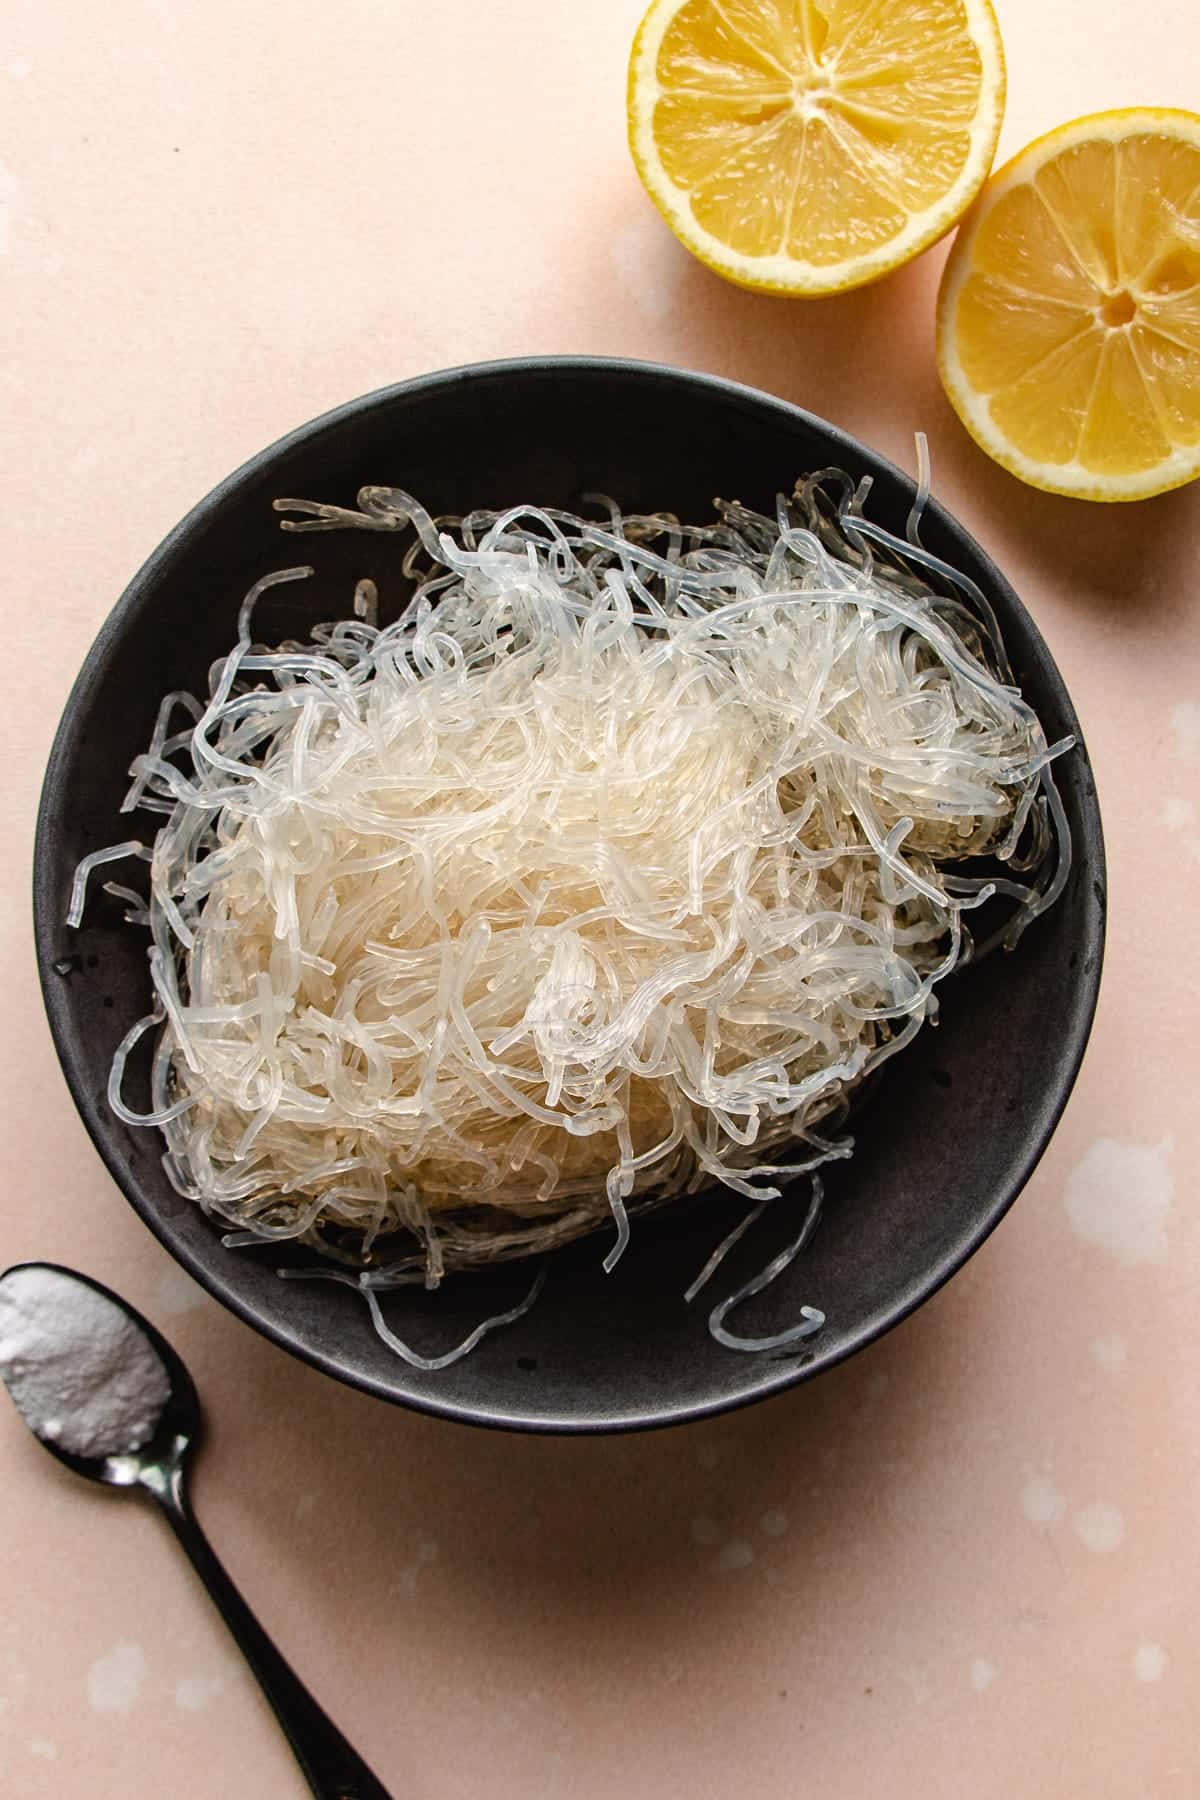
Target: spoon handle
[{"x": 332, "y": 1767}]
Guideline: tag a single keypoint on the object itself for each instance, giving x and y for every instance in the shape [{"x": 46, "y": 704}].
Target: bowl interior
[{"x": 946, "y": 1135}]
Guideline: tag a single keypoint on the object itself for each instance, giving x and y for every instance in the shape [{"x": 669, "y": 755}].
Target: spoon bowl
[{"x": 164, "y": 1457}]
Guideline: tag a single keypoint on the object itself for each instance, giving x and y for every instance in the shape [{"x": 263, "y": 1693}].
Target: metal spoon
[{"x": 332, "y": 1768}]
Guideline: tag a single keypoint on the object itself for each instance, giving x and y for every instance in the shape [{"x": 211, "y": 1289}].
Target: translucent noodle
[{"x": 605, "y": 873}]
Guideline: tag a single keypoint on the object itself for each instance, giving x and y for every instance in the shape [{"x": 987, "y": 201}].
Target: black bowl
[{"x": 951, "y": 1129}]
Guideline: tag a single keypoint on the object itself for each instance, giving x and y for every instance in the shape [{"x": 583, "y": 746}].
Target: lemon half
[
  {"x": 1069, "y": 312},
  {"x": 808, "y": 146}
]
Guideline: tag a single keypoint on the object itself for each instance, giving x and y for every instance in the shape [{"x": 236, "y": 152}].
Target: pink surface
[{"x": 962, "y": 1565}]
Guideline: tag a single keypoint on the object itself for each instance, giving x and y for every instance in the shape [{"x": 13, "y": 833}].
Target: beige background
[{"x": 963, "y": 1565}]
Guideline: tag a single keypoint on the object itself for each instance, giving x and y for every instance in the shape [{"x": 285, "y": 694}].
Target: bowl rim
[{"x": 775, "y": 1377}]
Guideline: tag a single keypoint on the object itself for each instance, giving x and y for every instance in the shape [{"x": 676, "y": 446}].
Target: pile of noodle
[{"x": 602, "y": 875}]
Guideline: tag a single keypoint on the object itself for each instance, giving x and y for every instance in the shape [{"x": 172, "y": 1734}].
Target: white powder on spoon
[{"x": 79, "y": 1370}]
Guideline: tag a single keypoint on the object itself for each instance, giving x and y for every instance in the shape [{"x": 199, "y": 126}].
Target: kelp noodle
[{"x": 602, "y": 875}]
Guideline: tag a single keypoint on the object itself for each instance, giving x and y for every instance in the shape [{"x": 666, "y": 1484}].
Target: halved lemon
[
  {"x": 1069, "y": 312},
  {"x": 808, "y": 146}
]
